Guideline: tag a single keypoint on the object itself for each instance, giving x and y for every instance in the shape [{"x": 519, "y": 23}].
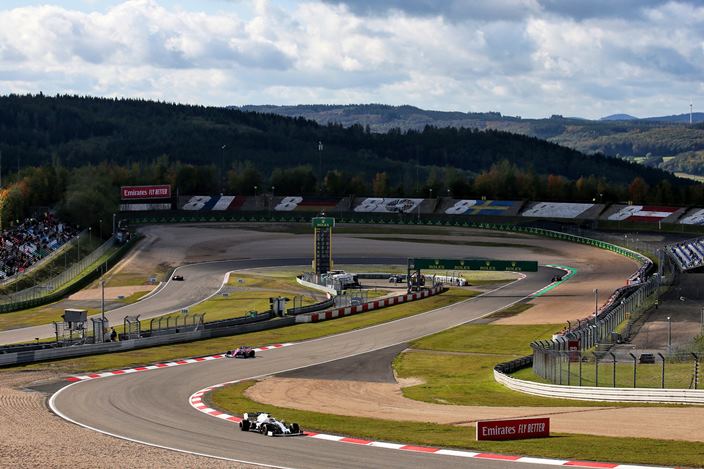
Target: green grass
[
  {"x": 560, "y": 446},
  {"x": 295, "y": 333},
  {"x": 124, "y": 279},
  {"x": 274, "y": 280},
  {"x": 41, "y": 315},
  {"x": 134, "y": 297},
  {"x": 466, "y": 379},
  {"x": 487, "y": 338}
]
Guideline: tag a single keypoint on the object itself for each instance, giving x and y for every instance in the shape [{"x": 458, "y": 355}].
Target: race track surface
[{"x": 152, "y": 407}]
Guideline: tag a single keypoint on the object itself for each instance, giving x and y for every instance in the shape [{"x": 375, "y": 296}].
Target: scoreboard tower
[{"x": 322, "y": 244}]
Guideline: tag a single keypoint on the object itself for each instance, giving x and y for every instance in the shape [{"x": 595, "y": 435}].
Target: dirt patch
[
  {"x": 386, "y": 401},
  {"x": 33, "y": 437}
]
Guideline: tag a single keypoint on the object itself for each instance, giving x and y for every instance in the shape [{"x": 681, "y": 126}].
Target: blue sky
[{"x": 532, "y": 58}]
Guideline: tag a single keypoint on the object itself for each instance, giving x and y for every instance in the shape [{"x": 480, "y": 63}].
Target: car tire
[
  {"x": 295, "y": 428},
  {"x": 251, "y": 354},
  {"x": 263, "y": 429},
  {"x": 244, "y": 425}
]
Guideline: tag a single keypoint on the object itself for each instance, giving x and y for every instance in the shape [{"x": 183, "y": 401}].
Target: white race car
[{"x": 267, "y": 425}]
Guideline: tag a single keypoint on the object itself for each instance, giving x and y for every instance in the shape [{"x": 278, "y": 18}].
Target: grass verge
[{"x": 559, "y": 446}]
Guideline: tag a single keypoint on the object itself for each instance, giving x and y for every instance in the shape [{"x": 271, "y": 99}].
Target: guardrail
[
  {"x": 584, "y": 393},
  {"x": 311, "y": 308}
]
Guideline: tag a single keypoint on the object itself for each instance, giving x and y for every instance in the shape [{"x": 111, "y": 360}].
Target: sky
[{"x": 529, "y": 58}]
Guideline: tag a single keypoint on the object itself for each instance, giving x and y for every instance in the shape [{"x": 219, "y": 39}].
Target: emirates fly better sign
[
  {"x": 515, "y": 429},
  {"x": 146, "y": 192}
]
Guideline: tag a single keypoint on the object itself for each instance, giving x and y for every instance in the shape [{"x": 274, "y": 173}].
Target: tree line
[
  {"x": 74, "y": 152},
  {"x": 90, "y": 194}
]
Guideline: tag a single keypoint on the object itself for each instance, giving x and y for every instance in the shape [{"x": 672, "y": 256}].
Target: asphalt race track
[{"x": 152, "y": 407}]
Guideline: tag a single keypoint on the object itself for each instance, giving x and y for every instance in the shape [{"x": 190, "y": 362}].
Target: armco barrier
[
  {"x": 369, "y": 306},
  {"x": 310, "y": 308},
  {"x": 666, "y": 396}
]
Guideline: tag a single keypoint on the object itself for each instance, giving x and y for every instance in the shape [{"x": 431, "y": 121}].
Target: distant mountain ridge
[
  {"x": 619, "y": 117},
  {"x": 697, "y": 118},
  {"x": 646, "y": 140}
]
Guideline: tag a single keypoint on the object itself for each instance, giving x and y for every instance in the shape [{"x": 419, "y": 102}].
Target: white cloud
[{"x": 524, "y": 57}]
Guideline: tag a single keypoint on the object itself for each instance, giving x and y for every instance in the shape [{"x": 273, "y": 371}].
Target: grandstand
[
  {"x": 31, "y": 240},
  {"x": 689, "y": 254}
]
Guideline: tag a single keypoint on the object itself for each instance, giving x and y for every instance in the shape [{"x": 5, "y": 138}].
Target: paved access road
[{"x": 152, "y": 407}]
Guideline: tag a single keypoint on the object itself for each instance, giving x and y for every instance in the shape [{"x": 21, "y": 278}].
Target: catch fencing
[
  {"x": 621, "y": 369},
  {"x": 555, "y": 359}
]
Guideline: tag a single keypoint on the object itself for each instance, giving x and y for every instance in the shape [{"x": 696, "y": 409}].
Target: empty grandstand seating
[{"x": 688, "y": 254}]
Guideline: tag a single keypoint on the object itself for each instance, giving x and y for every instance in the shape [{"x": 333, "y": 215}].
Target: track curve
[{"x": 152, "y": 407}]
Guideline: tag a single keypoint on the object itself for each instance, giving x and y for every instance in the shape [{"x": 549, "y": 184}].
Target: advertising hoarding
[{"x": 162, "y": 191}]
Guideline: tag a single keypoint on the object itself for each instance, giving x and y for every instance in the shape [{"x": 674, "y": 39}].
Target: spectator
[
  {"x": 113, "y": 335},
  {"x": 24, "y": 244}
]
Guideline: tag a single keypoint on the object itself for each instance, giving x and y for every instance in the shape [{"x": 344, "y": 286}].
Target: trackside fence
[{"x": 69, "y": 281}]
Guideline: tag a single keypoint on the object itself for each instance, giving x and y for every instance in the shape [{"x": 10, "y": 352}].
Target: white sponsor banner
[
  {"x": 288, "y": 204},
  {"x": 639, "y": 211},
  {"x": 224, "y": 202},
  {"x": 557, "y": 210},
  {"x": 696, "y": 218},
  {"x": 387, "y": 205}
]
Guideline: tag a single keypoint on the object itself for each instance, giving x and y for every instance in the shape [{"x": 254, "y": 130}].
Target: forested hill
[
  {"x": 655, "y": 140},
  {"x": 74, "y": 131}
]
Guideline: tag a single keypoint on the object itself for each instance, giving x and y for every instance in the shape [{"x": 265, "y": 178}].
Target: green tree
[
  {"x": 638, "y": 190},
  {"x": 380, "y": 184}
]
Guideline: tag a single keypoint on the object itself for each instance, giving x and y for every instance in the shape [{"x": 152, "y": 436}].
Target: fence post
[
  {"x": 634, "y": 368},
  {"x": 596, "y": 370},
  {"x": 580, "y": 368},
  {"x": 696, "y": 370},
  {"x": 662, "y": 380},
  {"x": 613, "y": 357}
]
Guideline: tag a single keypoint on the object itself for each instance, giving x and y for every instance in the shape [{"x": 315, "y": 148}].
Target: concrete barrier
[{"x": 369, "y": 306}]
